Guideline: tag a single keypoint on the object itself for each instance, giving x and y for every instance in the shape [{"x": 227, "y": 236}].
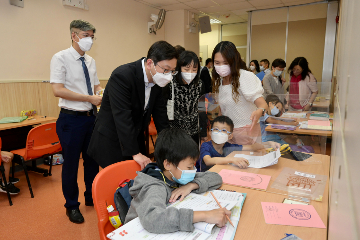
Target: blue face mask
[
  {"x": 275, "y": 111},
  {"x": 186, "y": 176}
]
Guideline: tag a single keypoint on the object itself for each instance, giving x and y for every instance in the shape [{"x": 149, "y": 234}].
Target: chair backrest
[
  {"x": 152, "y": 128},
  {"x": 103, "y": 189},
  {"x": 42, "y": 140}
]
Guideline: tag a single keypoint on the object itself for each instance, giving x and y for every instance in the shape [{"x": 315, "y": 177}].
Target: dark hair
[
  {"x": 160, "y": 51},
  {"x": 257, "y": 67},
  {"x": 303, "y": 63},
  {"x": 233, "y": 58},
  {"x": 207, "y": 61},
  {"x": 174, "y": 145},
  {"x": 185, "y": 59},
  {"x": 179, "y": 49},
  {"x": 278, "y": 63},
  {"x": 274, "y": 100},
  {"x": 266, "y": 61},
  {"x": 224, "y": 119}
]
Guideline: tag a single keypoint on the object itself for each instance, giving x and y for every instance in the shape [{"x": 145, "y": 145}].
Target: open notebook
[{"x": 231, "y": 200}]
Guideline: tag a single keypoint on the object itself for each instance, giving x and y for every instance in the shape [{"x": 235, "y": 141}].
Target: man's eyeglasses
[
  {"x": 167, "y": 71},
  {"x": 84, "y": 35},
  {"x": 216, "y": 130}
]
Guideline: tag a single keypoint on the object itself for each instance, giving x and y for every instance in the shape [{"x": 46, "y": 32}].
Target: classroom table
[
  {"x": 252, "y": 223},
  {"x": 322, "y": 104},
  {"x": 14, "y": 135},
  {"x": 302, "y": 131}
]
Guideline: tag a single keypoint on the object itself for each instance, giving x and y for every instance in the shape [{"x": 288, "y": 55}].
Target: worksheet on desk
[{"x": 261, "y": 161}]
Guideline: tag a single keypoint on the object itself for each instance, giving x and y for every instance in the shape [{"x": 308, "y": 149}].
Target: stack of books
[
  {"x": 316, "y": 125},
  {"x": 319, "y": 116}
]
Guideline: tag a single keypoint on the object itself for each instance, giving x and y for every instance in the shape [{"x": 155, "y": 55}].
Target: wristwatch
[
  {"x": 311, "y": 104},
  {"x": 263, "y": 110}
]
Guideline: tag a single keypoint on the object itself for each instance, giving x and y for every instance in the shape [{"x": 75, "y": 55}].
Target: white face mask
[
  {"x": 85, "y": 43},
  {"x": 188, "y": 77},
  {"x": 219, "y": 138},
  {"x": 277, "y": 73},
  {"x": 262, "y": 68},
  {"x": 223, "y": 70},
  {"x": 252, "y": 68},
  {"x": 161, "y": 79}
]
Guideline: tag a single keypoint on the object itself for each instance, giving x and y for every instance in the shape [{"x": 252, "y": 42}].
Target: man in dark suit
[
  {"x": 205, "y": 75},
  {"x": 132, "y": 94}
]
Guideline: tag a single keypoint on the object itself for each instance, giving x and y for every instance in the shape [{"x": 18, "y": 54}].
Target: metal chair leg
[
  {"x": 51, "y": 159},
  {"x": 6, "y": 185},
  {"x": 152, "y": 141},
  {"x": 27, "y": 177}
]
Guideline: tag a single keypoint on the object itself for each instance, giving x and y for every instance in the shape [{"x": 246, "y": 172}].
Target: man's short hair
[
  {"x": 81, "y": 25},
  {"x": 179, "y": 49},
  {"x": 174, "y": 145},
  {"x": 225, "y": 120},
  {"x": 278, "y": 63},
  {"x": 207, "y": 61},
  {"x": 266, "y": 62},
  {"x": 162, "y": 50}
]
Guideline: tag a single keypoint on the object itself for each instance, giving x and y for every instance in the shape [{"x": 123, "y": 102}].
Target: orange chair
[
  {"x": 104, "y": 187},
  {"x": 3, "y": 177},
  {"x": 152, "y": 131},
  {"x": 42, "y": 141}
]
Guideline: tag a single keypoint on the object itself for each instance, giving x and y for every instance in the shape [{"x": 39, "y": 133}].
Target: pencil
[{"x": 221, "y": 207}]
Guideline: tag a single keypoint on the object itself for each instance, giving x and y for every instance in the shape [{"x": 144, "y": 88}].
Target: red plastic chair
[
  {"x": 104, "y": 187},
  {"x": 3, "y": 177},
  {"x": 42, "y": 141},
  {"x": 152, "y": 131}
]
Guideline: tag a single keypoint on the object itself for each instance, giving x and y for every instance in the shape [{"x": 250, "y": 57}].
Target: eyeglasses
[
  {"x": 87, "y": 35},
  {"x": 216, "y": 131},
  {"x": 167, "y": 71}
]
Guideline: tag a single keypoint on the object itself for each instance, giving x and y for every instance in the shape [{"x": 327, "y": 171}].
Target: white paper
[
  {"x": 285, "y": 119},
  {"x": 134, "y": 230},
  {"x": 261, "y": 161},
  {"x": 294, "y": 115}
]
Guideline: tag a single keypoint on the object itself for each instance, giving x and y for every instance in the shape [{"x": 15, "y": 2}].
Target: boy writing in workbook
[
  {"x": 216, "y": 150},
  {"x": 172, "y": 176},
  {"x": 275, "y": 108}
]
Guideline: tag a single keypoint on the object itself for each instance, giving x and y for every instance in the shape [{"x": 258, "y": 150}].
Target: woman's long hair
[
  {"x": 233, "y": 58},
  {"x": 303, "y": 63}
]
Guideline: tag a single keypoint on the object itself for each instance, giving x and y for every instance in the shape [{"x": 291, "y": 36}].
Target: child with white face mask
[
  {"x": 187, "y": 89},
  {"x": 275, "y": 109},
  {"x": 216, "y": 151}
]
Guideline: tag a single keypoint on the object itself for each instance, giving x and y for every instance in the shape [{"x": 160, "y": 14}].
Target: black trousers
[{"x": 74, "y": 133}]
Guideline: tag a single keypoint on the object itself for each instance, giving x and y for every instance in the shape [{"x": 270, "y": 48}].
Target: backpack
[{"x": 122, "y": 198}]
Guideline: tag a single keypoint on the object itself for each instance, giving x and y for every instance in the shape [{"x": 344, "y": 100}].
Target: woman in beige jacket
[{"x": 303, "y": 85}]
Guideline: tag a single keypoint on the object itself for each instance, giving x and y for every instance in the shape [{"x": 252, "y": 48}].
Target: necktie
[{"x": 88, "y": 83}]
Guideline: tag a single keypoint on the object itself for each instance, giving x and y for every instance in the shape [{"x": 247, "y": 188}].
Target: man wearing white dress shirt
[{"x": 74, "y": 80}]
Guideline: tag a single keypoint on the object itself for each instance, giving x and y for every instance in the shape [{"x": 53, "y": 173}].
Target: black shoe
[
  {"x": 12, "y": 180},
  {"x": 12, "y": 189},
  {"x": 89, "y": 203},
  {"x": 75, "y": 215}
]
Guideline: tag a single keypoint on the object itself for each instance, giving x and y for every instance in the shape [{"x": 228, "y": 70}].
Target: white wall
[
  {"x": 30, "y": 36},
  {"x": 211, "y": 39},
  {"x": 344, "y": 215}
]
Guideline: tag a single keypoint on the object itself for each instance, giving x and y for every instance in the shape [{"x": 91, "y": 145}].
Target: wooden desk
[
  {"x": 36, "y": 120},
  {"x": 322, "y": 104},
  {"x": 252, "y": 222},
  {"x": 301, "y": 131}
]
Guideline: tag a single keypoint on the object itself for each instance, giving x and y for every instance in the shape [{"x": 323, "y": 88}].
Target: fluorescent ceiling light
[{"x": 212, "y": 21}]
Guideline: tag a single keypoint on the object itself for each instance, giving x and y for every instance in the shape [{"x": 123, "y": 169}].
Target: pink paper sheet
[
  {"x": 245, "y": 179},
  {"x": 291, "y": 215},
  {"x": 319, "y": 123}
]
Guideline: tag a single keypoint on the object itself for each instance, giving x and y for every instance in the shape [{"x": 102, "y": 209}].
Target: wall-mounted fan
[{"x": 158, "y": 21}]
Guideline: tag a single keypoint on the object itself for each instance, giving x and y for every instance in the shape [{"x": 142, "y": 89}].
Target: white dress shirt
[
  {"x": 148, "y": 85},
  {"x": 66, "y": 68}
]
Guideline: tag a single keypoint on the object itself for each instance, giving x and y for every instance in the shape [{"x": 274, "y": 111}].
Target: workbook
[
  {"x": 319, "y": 116},
  {"x": 230, "y": 200}
]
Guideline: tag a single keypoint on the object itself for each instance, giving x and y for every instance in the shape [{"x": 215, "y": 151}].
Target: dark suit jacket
[
  {"x": 120, "y": 124},
  {"x": 206, "y": 78}
]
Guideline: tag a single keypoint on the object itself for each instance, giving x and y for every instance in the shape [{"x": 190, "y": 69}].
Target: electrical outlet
[{"x": 18, "y": 3}]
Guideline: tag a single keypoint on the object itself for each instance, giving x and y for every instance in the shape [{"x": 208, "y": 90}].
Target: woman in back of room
[
  {"x": 303, "y": 85},
  {"x": 239, "y": 93},
  {"x": 254, "y": 67}
]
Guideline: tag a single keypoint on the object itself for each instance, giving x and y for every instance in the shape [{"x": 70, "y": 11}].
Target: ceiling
[{"x": 227, "y": 11}]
